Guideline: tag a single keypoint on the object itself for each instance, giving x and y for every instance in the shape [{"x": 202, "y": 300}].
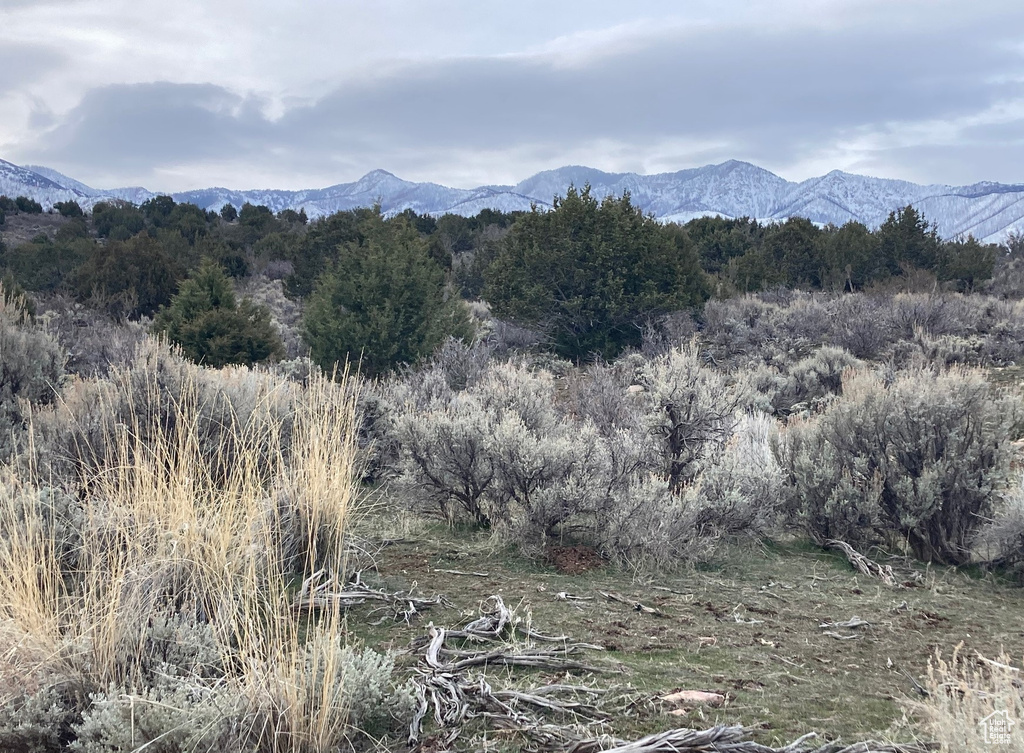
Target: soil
[
  {"x": 573, "y": 560},
  {"x": 747, "y": 624}
]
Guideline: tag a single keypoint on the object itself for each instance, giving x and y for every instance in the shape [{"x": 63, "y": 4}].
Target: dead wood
[
  {"x": 850, "y": 624},
  {"x": 316, "y": 595},
  {"x": 636, "y": 605},
  {"x": 444, "y": 685},
  {"x": 840, "y": 636},
  {"x": 461, "y": 572},
  {"x": 450, "y": 687},
  {"x": 864, "y": 565}
]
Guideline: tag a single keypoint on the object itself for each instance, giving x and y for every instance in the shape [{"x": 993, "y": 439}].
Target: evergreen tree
[
  {"x": 851, "y": 257},
  {"x": 69, "y": 208},
  {"x": 967, "y": 262},
  {"x": 129, "y": 279},
  {"x": 590, "y": 273},
  {"x": 322, "y": 244},
  {"x": 27, "y": 205},
  {"x": 907, "y": 240},
  {"x": 383, "y": 301},
  {"x": 792, "y": 250},
  {"x": 213, "y": 328}
]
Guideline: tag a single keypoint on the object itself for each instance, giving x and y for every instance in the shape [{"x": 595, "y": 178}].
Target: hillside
[{"x": 732, "y": 189}]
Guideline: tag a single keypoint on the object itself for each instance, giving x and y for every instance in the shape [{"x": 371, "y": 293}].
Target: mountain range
[{"x": 988, "y": 211}]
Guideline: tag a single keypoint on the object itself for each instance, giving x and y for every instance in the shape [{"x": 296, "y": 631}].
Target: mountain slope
[{"x": 732, "y": 189}]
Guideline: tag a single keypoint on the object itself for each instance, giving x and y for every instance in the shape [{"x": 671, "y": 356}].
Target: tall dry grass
[
  {"x": 963, "y": 692},
  {"x": 160, "y": 531}
]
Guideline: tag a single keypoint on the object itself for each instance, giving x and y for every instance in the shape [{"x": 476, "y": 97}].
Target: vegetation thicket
[
  {"x": 215, "y": 329},
  {"x": 185, "y": 460}
]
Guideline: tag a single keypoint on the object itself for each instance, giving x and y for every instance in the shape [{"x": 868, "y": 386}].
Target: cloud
[
  {"x": 24, "y": 64},
  {"x": 788, "y": 96}
]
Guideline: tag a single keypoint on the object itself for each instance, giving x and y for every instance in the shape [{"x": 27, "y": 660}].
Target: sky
[{"x": 310, "y": 93}]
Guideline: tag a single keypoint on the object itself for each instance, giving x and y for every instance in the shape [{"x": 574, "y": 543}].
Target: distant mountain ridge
[{"x": 731, "y": 189}]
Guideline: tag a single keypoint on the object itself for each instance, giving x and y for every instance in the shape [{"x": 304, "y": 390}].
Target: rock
[{"x": 694, "y": 697}]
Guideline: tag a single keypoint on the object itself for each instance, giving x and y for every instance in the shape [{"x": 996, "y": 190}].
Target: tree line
[{"x": 588, "y": 275}]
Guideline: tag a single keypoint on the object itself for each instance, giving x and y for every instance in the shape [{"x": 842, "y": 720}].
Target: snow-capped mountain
[{"x": 732, "y": 189}]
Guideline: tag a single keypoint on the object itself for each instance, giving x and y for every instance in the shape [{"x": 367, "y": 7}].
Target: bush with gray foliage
[
  {"x": 31, "y": 370},
  {"x": 627, "y": 458},
  {"x": 916, "y": 457}
]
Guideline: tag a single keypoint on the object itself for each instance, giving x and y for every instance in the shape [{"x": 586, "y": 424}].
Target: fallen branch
[
  {"x": 316, "y": 595},
  {"x": 566, "y": 596},
  {"x": 864, "y": 565},
  {"x": 460, "y": 572},
  {"x": 997, "y": 665},
  {"x": 443, "y": 684},
  {"x": 636, "y": 605},
  {"x": 840, "y": 636},
  {"x": 850, "y": 624}
]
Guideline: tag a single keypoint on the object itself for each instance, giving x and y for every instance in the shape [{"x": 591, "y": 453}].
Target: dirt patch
[
  {"x": 573, "y": 560},
  {"x": 747, "y": 625}
]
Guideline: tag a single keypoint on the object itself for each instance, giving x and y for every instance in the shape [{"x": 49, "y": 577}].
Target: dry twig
[
  {"x": 317, "y": 595},
  {"x": 864, "y": 565}
]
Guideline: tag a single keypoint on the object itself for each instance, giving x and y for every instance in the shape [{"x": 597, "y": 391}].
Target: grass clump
[
  {"x": 974, "y": 704},
  {"x": 152, "y": 608}
]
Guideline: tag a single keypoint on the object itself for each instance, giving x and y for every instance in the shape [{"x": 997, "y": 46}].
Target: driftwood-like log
[
  {"x": 444, "y": 685},
  {"x": 317, "y": 595},
  {"x": 864, "y": 565},
  {"x": 636, "y": 605}
]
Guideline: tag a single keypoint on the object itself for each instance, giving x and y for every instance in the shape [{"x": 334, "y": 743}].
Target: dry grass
[
  {"x": 164, "y": 532},
  {"x": 968, "y": 696}
]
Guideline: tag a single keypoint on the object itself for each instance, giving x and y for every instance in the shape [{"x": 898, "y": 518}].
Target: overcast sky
[{"x": 254, "y": 94}]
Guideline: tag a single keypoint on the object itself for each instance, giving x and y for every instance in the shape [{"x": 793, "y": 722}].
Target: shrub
[
  {"x": 213, "y": 328},
  {"x": 585, "y": 459},
  {"x": 44, "y": 265},
  {"x": 383, "y": 304},
  {"x": 31, "y": 369},
  {"x": 812, "y": 380},
  {"x": 40, "y": 720},
  {"x": 285, "y": 313},
  {"x": 590, "y": 273},
  {"x": 918, "y": 457},
  {"x": 95, "y": 344},
  {"x": 79, "y": 436},
  {"x": 28, "y": 206},
  {"x": 69, "y": 209},
  {"x": 741, "y": 492},
  {"x": 117, "y": 220},
  {"x": 964, "y": 691},
  {"x": 178, "y": 613},
  {"x": 168, "y": 718},
  {"x": 1001, "y": 541},
  {"x": 692, "y": 409},
  {"x": 130, "y": 279}
]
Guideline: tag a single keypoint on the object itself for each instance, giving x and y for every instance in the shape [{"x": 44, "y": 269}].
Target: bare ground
[{"x": 753, "y": 627}]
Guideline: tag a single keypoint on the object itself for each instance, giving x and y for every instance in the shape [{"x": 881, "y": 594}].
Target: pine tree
[
  {"x": 213, "y": 328},
  {"x": 590, "y": 273},
  {"x": 383, "y": 302}
]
